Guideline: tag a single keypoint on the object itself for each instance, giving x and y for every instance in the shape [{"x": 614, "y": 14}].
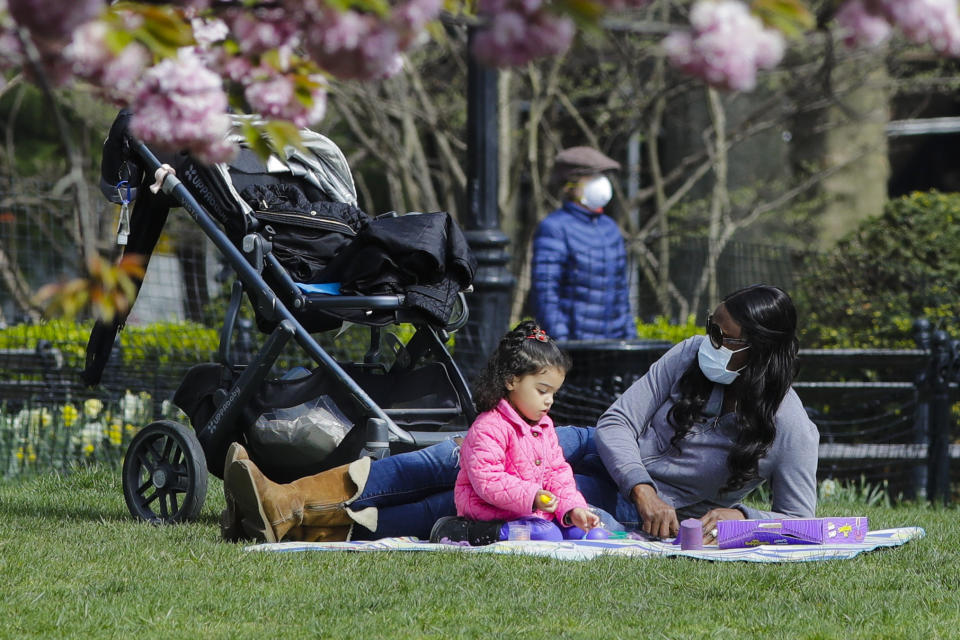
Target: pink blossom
[
  {"x": 54, "y": 19},
  {"x": 208, "y": 32},
  {"x": 860, "y": 26},
  {"x": 933, "y": 22},
  {"x": 679, "y": 49},
  {"x": 181, "y": 105},
  {"x": 358, "y": 45},
  {"x": 380, "y": 52},
  {"x": 117, "y": 75},
  {"x": 345, "y": 31},
  {"x": 550, "y": 34},
  {"x": 121, "y": 76},
  {"x": 238, "y": 69},
  {"x": 770, "y": 48},
  {"x": 259, "y": 31},
  {"x": 351, "y": 45},
  {"x": 506, "y": 29},
  {"x": 520, "y": 31},
  {"x": 89, "y": 51},
  {"x": 726, "y": 46},
  {"x": 276, "y": 97},
  {"x": 415, "y": 14}
]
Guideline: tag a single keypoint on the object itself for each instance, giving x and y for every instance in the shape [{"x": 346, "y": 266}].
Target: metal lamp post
[{"x": 490, "y": 300}]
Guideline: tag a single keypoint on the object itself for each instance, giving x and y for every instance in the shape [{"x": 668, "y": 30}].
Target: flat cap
[{"x": 582, "y": 161}]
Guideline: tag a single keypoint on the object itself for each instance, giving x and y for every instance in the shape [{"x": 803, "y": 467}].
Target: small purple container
[{"x": 691, "y": 534}]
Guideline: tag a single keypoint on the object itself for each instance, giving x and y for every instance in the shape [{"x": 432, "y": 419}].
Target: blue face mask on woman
[{"x": 714, "y": 361}]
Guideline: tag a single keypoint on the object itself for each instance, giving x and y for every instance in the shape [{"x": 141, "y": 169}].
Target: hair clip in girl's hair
[{"x": 540, "y": 335}]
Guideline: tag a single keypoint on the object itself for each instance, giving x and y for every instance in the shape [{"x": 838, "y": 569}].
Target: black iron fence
[{"x": 887, "y": 416}]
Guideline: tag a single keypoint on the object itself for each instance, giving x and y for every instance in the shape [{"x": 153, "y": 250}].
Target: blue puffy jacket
[{"x": 579, "y": 276}]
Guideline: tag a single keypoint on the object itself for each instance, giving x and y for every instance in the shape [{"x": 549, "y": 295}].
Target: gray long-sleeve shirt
[{"x": 633, "y": 440}]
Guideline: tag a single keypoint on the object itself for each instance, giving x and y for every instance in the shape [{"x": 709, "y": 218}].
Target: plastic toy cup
[
  {"x": 691, "y": 534},
  {"x": 519, "y": 531}
]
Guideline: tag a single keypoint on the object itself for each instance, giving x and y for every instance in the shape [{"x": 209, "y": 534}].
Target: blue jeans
[
  {"x": 413, "y": 490},
  {"x": 593, "y": 481}
]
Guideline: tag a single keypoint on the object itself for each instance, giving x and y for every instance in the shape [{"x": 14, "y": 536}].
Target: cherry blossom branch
[{"x": 275, "y": 58}]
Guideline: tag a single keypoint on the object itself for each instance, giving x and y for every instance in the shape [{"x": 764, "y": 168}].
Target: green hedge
[
  {"x": 160, "y": 343},
  {"x": 894, "y": 268},
  {"x": 68, "y": 336},
  {"x": 167, "y": 343},
  {"x": 662, "y": 329}
]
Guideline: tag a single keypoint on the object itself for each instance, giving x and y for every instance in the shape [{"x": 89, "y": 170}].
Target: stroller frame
[{"x": 165, "y": 467}]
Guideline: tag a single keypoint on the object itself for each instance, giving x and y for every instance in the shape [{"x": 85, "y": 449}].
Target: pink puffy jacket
[{"x": 504, "y": 461}]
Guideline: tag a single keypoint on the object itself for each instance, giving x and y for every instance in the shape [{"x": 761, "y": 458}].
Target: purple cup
[{"x": 691, "y": 534}]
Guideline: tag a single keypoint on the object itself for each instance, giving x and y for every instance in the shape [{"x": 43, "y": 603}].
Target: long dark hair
[
  {"x": 519, "y": 353},
  {"x": 768, "y": 321}
]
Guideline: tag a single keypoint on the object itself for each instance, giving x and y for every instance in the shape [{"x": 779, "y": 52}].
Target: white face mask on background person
[
  {"x": 713, "y": 362},
  {"x": 597, "y": 193}
]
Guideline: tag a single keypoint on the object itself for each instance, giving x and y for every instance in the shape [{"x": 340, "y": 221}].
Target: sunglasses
[{"x": 717, "y": 339}]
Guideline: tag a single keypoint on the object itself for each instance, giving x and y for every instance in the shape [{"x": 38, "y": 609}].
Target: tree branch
[{"x": 74, "y": 178}]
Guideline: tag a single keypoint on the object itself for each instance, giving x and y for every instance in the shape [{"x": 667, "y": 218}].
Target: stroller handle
[{"x": 174, "y": 188}]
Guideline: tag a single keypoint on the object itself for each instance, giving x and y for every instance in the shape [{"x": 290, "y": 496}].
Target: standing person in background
[{"x": 579, "y": 276}]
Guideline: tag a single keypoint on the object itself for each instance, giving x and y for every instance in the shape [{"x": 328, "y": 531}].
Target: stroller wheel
[{"x": 164, "y": 474}]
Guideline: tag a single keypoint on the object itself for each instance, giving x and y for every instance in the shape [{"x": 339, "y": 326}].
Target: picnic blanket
[{"x": 590, "y": 549}]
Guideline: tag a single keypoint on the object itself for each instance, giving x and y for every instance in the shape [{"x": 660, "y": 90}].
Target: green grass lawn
[{"x": 75, "y": 565}]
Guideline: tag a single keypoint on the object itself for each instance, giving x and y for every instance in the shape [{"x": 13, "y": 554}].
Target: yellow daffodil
[
  {"x": 115, "y": 433},
  {"x": 92, "y": 407},
  {"x": 69, "y": 415}
]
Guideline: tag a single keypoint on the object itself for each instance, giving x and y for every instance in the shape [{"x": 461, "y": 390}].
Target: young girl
[{"x": 511, "y": 465}]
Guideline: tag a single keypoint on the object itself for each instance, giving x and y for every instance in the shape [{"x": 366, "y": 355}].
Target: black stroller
[{"x": 308, "y": 261}]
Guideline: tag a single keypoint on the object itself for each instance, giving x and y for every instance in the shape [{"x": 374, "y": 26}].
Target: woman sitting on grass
[{"x": 711, "y": 420}]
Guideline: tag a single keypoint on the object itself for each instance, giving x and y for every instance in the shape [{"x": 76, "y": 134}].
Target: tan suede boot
[
  {"x": 230, "y": 527},
  {"x": 304, "y": 508},
  {"x": 319, "y": 534}
]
